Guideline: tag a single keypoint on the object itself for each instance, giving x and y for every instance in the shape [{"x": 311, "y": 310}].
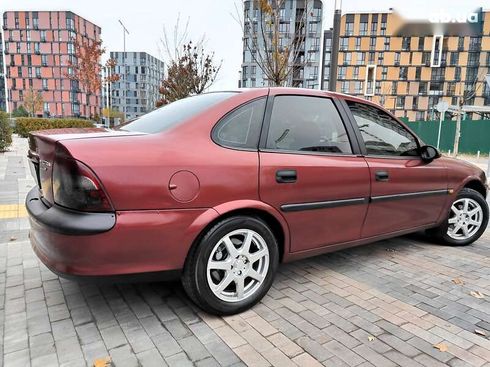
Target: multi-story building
[
  {"x": 301, "y": 24},
  {"x": 3, "y": 92},
  {"x": 137, "y": 90},
  {"x": 410, "y": 67},
  {"x": 39, "y": 47}
]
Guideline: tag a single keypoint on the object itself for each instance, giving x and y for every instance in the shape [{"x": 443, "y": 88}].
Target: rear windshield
[{"x": 174, "y": 113}]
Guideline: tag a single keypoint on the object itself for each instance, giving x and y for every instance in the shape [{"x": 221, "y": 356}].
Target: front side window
[
  {"x": 307, "y": 124},
  {"x": 382, "y": 134},
  {"x": 241, "y": 127}
]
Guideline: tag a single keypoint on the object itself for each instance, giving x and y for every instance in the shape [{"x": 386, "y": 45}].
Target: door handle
[
  {"x": 286, "y": 176},
  {"x": 382, "y": 176}
]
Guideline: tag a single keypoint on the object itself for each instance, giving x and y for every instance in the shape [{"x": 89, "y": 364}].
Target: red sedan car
[{"x": 224, "y": 186}]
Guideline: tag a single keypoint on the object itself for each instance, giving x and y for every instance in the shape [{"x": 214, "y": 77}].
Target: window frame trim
[
  {"x": 344, "y": 118},
  {"x": 360, "y": 139}
]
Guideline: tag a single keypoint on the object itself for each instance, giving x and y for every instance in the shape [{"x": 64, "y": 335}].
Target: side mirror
[{"x": 428, "y": 153}]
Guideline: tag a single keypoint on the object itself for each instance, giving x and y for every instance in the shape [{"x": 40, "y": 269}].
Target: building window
[
  {"x": 387, "y": 43},
  {"x": 374, "y": 28},
  {"x": 397, "y": 58},
  {"x": 349, "y": 28},
  {"x": 454, "y": 60},
  {"x": 457, "y": 73},
  {"x": 421, "y": 43},
  {"x": 347, "y": 58},
  {"x": 473, "y": 59},
  {"x": 403, "y": 73},
  {"x": 357, "y": 87},
  {"x": 44, "y": 60},
  {"x": 345, "y": 87},
  {"x": 372, "y": 43},
  {"x": 356, "y": 72},
  {"x": 358, "y": 43},
  {"x": 372, "y": 56},
  {"x": 475, "y": 44},
  {"x": 381, "y": 57},
  {"x": 361, "y": 58},
  {"x": 363, "y": 28},
  {"x": 383, "y": 28},
  {"x": 418, "y": 72},
  {"x": 45, "y": 84},
  {"x": 394, "y": 88},
  {"x": 426, "y": 58},
  {"x": 406, "y": 44},
  {"x": 422, "y": 88},
  {"x": 384, "y": 72},
  {"x": 342, "y": 71},
  {"x": 400, "y": 102},
  {"x": 43, "y": 36},
  {"x": 344, "y": 44},
  {"x": 460, "y": 43}
]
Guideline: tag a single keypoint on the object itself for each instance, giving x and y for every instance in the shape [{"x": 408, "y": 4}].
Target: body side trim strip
[
  {"x": 357, "y": 201},
  {"x": 409, "y": 195},
  {"x": 323, "y": 204}
]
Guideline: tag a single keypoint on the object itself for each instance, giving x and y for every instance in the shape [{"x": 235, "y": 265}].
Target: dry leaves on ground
[
  {"x": 371, "y": 338},
  {"x": 103, "y": 362},
  {"x": 458, "y": 281},
  {"x": 477, "y": 294},
  {"x": 480, "y": 332},
  {"x": 441, "y": 346}
]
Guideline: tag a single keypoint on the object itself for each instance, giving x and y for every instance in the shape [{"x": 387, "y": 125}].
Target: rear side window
[
  {"x": 241, "y": 127},
  {"x": 307, "y": 124},
  {"x": 382, "y": 134},
  {"x": 174, "y": 113}
]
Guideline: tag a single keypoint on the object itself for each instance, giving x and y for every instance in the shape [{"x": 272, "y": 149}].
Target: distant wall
[{"x": 475, "y": 134}]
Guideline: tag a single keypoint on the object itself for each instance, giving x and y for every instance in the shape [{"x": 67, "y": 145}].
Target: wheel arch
[
  {"x": 476, "y": 185},
  {"x": 253, "y": 208}
]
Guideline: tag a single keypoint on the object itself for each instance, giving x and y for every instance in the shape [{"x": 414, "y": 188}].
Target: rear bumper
[{"x": 109, "y": 244}]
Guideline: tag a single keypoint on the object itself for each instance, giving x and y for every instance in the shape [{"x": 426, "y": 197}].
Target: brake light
[{"x": 76, "y": 187}]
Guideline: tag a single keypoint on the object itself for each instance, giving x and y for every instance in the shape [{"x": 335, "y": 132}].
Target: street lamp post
[{"x": 125, "y": 31}]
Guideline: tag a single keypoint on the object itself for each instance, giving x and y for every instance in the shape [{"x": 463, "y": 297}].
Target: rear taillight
[{"x": 76, "y": 187}]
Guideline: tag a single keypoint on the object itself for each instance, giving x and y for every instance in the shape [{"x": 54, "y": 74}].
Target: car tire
[
  {"x": 232, "y": 266},
  {"x": 451, "y": 231}
]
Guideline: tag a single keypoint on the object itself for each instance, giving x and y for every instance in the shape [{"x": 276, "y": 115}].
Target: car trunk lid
[{"x": 42, "y": 151}]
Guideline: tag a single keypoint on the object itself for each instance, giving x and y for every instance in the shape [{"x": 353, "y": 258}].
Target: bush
[
  {"x": 25, "y": 125},
  {"x": 5, "y": 132}
]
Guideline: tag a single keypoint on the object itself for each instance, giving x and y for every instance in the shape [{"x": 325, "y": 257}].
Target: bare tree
[
  {"x": 190, "y": 68},
  {"x": 278, "y": 53}
]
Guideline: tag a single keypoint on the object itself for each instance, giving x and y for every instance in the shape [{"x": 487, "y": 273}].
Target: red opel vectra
[{"x": 224, "y": 186}]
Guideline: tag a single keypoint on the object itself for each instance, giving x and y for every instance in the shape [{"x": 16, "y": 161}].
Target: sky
[{"x": 214, "y": 19}]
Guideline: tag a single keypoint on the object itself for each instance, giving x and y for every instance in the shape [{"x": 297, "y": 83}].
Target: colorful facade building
[
  {"x": 39, "y": 48},
  {"x": 409, "y": 67}
]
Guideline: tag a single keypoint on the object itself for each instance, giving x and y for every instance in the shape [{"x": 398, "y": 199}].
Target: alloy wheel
[
  {"x": 465, "y": 219},
  {"x": 238, "y": 265}
]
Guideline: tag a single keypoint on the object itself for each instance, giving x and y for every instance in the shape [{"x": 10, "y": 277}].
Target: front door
[
  {"x": 310, "y": 173},
  {"x": 406, "y": 192}
]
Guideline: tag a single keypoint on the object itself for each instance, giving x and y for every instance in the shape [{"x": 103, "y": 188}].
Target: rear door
[
  {"x": 406, "y": 192},
  {"x": 311, "y": 172}
]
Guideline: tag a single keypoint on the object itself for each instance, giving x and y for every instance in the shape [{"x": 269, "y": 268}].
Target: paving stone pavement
[{"x": 385, "y": 304}]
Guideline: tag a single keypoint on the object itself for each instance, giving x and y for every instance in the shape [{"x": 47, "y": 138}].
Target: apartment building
[
  {"x": 300, "y": 22},
  {"x": 137, "y": 90},
  {"x": 409, "y": 67},
  {"x": 39, "y": 46}
]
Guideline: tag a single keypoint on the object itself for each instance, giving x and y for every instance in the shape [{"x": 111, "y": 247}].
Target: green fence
[{"x": 475, "y": 134}]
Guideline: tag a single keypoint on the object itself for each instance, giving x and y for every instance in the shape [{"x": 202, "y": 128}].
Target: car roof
[{"x": 303, "y": 91}]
